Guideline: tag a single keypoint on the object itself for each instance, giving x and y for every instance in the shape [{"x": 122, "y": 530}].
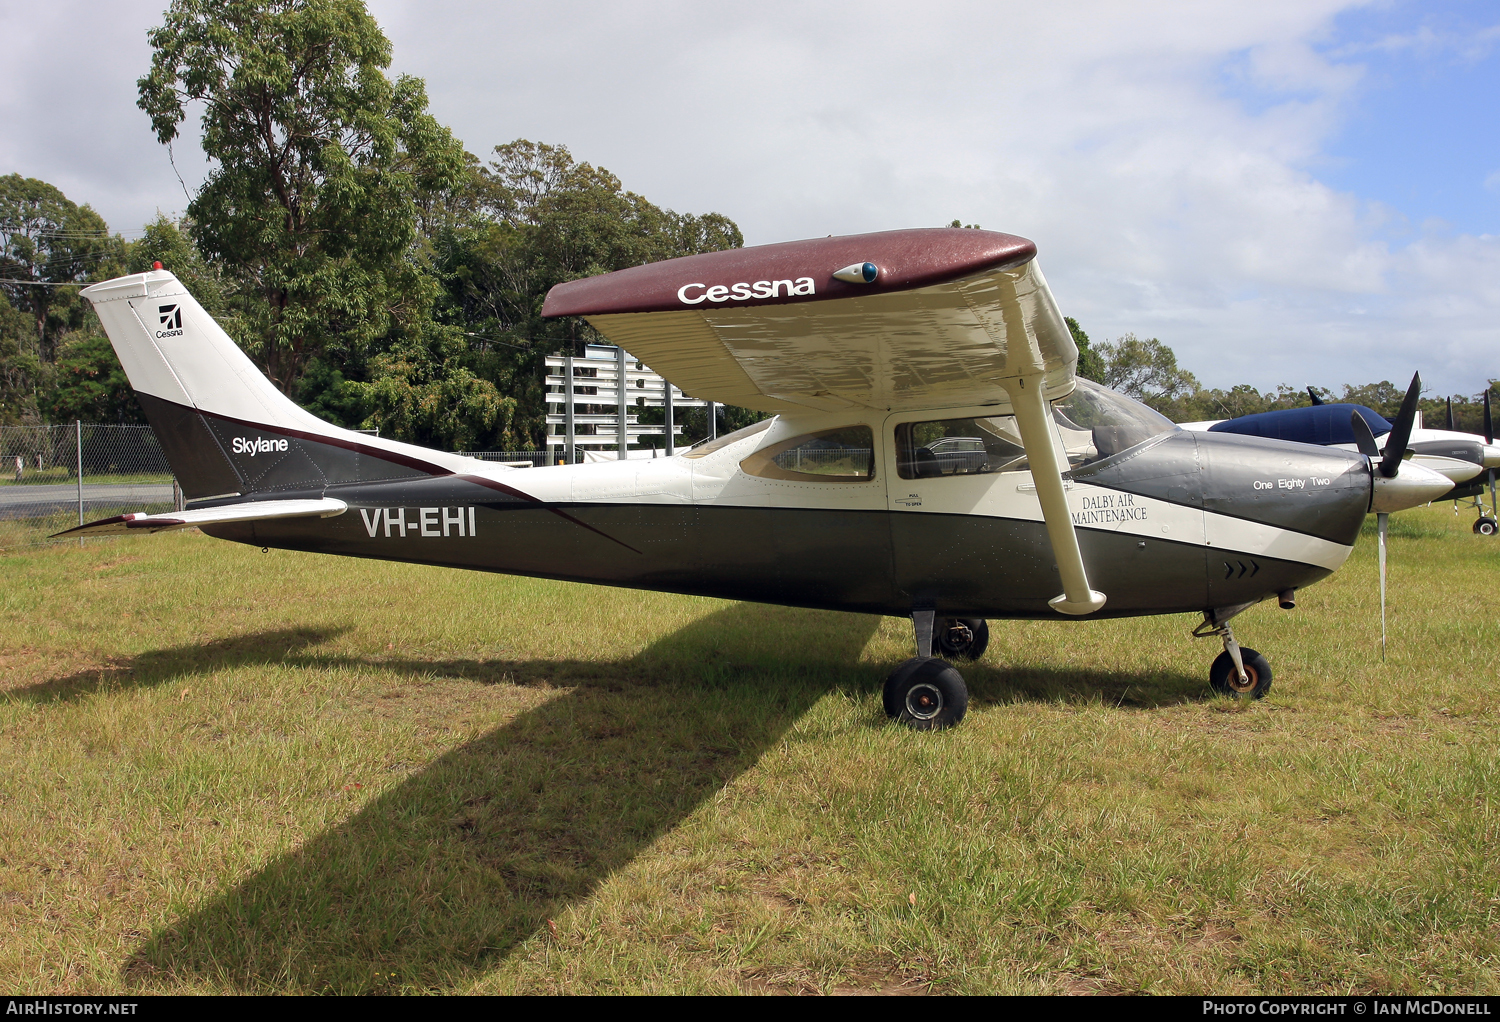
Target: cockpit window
[
  {"x": 1093, "y": 422},
  {"x": 1110, "y": 421},
  {"x": 829, "y": 456}
]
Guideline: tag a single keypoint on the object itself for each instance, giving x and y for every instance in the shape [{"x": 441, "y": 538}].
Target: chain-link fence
[{"x": 55, "y": 477}]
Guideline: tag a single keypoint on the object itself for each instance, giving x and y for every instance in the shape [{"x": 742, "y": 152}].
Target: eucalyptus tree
[
  {"x": 320, "y": 161},
  {"x": 47, "y": 240}
]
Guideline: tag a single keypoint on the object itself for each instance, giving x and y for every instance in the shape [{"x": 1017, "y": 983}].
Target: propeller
[
  {"x": 1365, "y": 440},
  {"x": 1450, "y": 427},
  {"x": 1364, "y": 437},
  {"x": 1314, "y": 395},
  {"x": 1382, "y": 527},
  {"x": 1395, "y": 441},
  {"x": 1388, "y": 467},
  {"x": 1489, "y": 438}
]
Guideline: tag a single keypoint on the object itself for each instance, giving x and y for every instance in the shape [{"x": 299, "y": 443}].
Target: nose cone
[
  {"x": 1491, "y": 456},
  {"x": 1412, "y": 486}
]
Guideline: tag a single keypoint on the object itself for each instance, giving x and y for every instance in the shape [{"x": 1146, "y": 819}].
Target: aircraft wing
[
  {"x": 250, "y": 511},
  {"x": 897, "y": 320}
]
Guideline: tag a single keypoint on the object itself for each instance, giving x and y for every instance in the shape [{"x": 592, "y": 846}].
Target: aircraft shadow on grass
[
  {"x": 439, "y": 878},
  {"x": 163, "y": 666}
]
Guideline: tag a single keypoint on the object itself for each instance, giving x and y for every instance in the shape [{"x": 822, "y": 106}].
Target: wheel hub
[
  {"x": 924, "y": 701},
  {"x": 1248, "y": 685}
]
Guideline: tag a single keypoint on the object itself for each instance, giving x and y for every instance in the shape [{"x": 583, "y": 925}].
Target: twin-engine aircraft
[{"x": 932, "y": 454}]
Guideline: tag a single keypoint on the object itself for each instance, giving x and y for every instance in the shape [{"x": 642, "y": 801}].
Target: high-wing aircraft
[
  {"x": 1468, "y": 460},
  {"x": 931, "y": 453}
]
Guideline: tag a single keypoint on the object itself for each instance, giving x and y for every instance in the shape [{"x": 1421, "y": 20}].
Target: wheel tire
[
  {"x": 926, "y": 694},
  {"x": 1486, "y": 527},
  {"x": 1225, "y": 680},
  {"x": 961, "y": 638}
]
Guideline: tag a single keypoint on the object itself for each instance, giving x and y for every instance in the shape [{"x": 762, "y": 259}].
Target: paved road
[{"x": 39, "y": 501}]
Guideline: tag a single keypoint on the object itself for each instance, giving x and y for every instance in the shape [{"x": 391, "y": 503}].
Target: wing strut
[{"x": 1034, "y": 418}]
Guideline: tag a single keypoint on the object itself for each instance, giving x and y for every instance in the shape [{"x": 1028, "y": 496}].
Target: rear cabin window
[
  {"x": 844, "y": 455},
  {"x": 719, "y": 443}
]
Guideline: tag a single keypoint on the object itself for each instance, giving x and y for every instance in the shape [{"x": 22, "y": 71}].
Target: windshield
[{"x": 1093, "y": 422}]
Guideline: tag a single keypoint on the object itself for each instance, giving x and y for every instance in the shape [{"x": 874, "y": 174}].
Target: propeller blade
[
  {"x": 1314, "y": 395},
  {"x": 1489, "y": 428},
  {"x": 1382, "y": 522},
  {"x": 1395, "y": 441},
  {"x": 1364, "y": 437},
  {"x": 1450, "y": 415}
]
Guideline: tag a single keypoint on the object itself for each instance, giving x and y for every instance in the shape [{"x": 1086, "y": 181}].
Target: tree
[
  {"x": 1090, "y": 365},
  {"x": 531, "y": 219},
  {"x": 321, "y": 160},
  {"x": 1147, "y": 370},
  {"x": 21, "y": 372},
  {"x": 48, "y": 239},
  {"x": 89, "y": 384}
]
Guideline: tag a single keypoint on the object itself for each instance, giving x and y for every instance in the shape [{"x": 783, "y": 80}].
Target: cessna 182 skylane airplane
[{"x": 931, "y": 454}]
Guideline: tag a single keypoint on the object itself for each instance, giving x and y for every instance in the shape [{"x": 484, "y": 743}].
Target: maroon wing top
[{"x": 792, "y": 272}]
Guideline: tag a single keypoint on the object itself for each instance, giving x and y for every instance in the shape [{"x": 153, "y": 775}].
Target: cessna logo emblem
[
  {"x": 692, "y": 294},
  {"x": 260, "y": 445},
  {"x": 171, "y": 320}
]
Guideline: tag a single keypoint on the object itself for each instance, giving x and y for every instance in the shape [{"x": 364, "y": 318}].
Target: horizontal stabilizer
[{"x": 252, "y": 511}]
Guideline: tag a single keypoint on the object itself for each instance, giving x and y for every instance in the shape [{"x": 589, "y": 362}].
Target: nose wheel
[
  {"x": 1239, "y": 672},
  {"x": 1226, "y": 680},
  {"x": 1486, "y": 527}
]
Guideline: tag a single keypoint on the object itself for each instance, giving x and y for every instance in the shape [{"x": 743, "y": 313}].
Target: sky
[{"x": 1291, "y": 191}]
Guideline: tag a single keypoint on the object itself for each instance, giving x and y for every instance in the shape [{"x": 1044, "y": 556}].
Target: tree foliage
[
  {"x": 320, "y": 160},
  {"x": 48, "y": 239},
  {"x": 1090, "y": 365}
]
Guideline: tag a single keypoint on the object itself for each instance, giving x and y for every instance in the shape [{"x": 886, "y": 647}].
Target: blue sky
[
  {"x": 1422, "y": 133},
  {"x": 1291, "y": 191}
]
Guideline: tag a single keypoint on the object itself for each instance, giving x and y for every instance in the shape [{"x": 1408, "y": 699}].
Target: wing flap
[{"x": 250, "y": 511}]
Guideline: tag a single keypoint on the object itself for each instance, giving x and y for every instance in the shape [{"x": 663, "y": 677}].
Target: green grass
[
  {"x": 228, "y": 771},
  {"x": 57, "y": 475}
]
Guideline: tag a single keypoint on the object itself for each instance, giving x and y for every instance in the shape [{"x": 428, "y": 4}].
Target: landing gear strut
[
  {"x": 1239, "y": 671},
  {"x": 925, "y": 692}
]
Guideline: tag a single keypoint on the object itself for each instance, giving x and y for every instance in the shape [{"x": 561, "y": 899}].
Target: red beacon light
[{"x": 156, "y": 265}]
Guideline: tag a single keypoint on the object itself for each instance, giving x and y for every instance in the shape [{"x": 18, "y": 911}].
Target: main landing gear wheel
[
  {"x": 1226, "y": 681},
  {"x": 926, "y": 694},
  {"x": 1486, "y": 527},
  {"x": 961, "y": 638}
]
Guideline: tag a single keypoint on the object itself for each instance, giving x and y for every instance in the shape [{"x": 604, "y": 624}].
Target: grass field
[{"x": 223, "y": 771}]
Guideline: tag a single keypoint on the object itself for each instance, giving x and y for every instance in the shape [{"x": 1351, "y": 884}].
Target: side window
[
  {"x": 832, "y": 456},
  {"x": 959, "y": 447},
  {"x": 966, "y": 447}
]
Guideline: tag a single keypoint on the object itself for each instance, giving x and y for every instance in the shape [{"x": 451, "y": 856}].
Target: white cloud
[{"x": 1163, "y": 156}]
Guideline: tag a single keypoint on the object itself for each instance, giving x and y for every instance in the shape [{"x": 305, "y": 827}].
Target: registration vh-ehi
[{"x": 931, "y": 453}]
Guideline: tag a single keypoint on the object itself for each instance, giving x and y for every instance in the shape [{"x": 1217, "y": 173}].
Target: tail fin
[{"x": 225, "y": 428}]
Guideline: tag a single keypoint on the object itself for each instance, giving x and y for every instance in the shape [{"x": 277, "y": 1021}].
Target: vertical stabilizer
[{"x": 225, "y": 427}]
